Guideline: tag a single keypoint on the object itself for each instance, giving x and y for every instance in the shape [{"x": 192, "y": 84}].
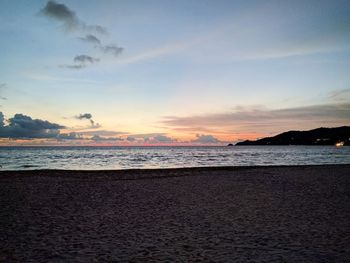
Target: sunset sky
[{"x": 170, "y": 72}]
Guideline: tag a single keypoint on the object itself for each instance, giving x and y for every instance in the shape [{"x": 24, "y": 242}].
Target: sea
[{"x": 107, "y": 158}]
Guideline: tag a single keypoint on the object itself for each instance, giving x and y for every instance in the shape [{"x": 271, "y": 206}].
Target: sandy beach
[{"x": 227, "y": 214}]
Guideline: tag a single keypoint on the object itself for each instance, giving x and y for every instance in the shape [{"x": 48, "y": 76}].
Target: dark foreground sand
[{"x": 266, "y": 214}]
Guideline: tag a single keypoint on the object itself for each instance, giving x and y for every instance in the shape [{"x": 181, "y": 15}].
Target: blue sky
[{"x": 182, "y": 65}]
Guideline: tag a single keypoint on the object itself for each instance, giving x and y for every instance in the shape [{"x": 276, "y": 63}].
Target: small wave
[
  {"x": 139, "y": 159},
  {"x": 105, "y": 158},
  {"x": 29, "y": 166}
]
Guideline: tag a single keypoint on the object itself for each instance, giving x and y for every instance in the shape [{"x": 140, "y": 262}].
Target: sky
[{"x": 171, "y": 72}]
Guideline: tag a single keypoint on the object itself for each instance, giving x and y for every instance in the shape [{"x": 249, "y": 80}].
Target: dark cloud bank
[{"x": 24, "y": 127}]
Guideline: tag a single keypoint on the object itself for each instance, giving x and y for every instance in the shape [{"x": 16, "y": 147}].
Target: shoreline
[
  {"x": 215, "y": 214},
  {"x": 142, "y": 173}
]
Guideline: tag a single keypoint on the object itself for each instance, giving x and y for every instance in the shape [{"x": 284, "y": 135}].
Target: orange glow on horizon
[{"x": 184, "y": 140}]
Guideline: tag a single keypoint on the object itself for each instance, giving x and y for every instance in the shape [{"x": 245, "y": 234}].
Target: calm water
[{"x": 15, "y": 158}]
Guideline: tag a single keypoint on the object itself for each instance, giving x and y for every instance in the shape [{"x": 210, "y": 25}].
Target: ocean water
[{"x": 99, "y": 158}]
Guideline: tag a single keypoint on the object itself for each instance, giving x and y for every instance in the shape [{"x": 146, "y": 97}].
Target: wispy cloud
[
  {"x": 69, "y": 136},
  {"x": 146, "y": 135},
  {"x": 151, "y": 138},
  {"x": 318, "y": 27},
  {"x": 103, "y": 133},
  {"x": 252, "y": 36},
  {"x": 82, "y": 116},
  {"x": 154, "y": 53},
  {"x": 107, "y": 49},
  {"x": 73, "y": 66},
  {"x": 91, "y": 39},
  {"x": 2, "y": 86},
  {"x": 163, "y": 139},
  {"x": 339, "y": 95},
  {"x": 174, "y": 47},
  {"x": 45, "y": 77},
  {"x": 71, "y": 22},
  {"x": 112, "y": 49},
  {"x": 81, "y": 61},
  {"x": 98, "y": 138},
  {"x": 283, "y": 51},
  {"x": 266, "y": 121},
  {"x": 88, "y": 116},
  {"x": 68, "y": 17}
]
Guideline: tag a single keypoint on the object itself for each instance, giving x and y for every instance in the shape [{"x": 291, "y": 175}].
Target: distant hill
[{"x": 320, "y": 136}]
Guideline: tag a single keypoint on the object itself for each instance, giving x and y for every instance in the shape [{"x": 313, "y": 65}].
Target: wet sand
[{"x": 228, "y": 214}]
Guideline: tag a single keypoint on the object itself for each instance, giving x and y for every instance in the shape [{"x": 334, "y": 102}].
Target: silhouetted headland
[{"x": 320, "y": 136}]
